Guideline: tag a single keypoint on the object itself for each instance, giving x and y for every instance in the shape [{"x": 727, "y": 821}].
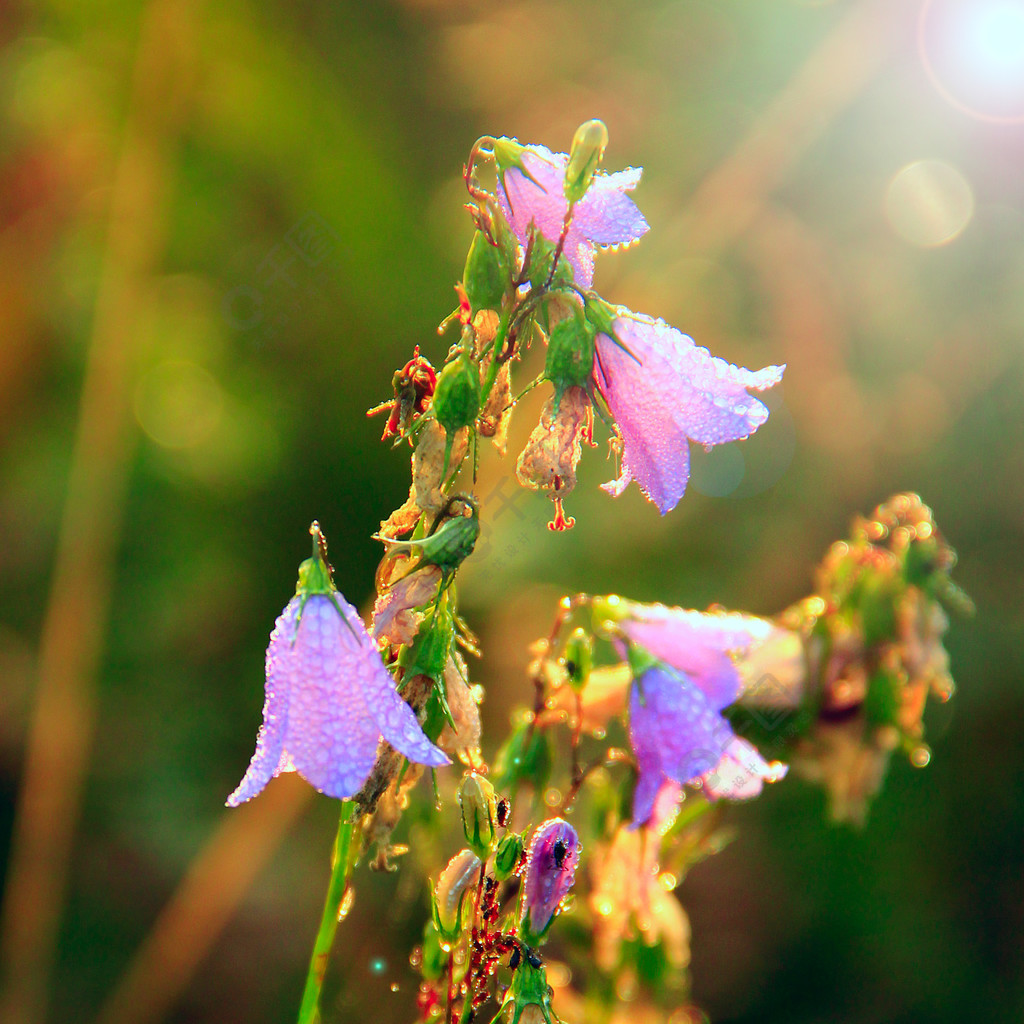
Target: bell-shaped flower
[
  {"x": 698, "y": 644},
  {"x": 605, "y": 218},
  {"x": 663, "y": 392},
  {"x": 676, "y": 734},
  {"x": 329, "y": 698},
  {"x": 550, "y": 872}
]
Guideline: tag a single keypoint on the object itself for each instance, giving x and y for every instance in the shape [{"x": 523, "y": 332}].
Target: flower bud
[
  {"x": 455, "y": 881},
  {"x": 585, "y": 154},
  {"x": 457, "y": 395},
  {"x": 486, "y": 277},
  {"x": 479, "y": 810},
  {"x": 524, "y": 756},
  {"x": 508, "y": 855},
  {"x": 570, "y": 355},
  {"x": 579, "y": 658},
  {"x": 550, "y": 871}
]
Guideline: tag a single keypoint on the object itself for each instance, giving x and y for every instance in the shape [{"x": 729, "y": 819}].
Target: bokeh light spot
[
  {"x": 929, "y": 203},
  {"x": 178, "y": 404}
]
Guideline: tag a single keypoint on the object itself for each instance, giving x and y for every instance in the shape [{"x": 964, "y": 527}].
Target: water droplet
[
  {"x": 668, "y": 881},
  {"x": 378, "y": 965},
  {"x": 346, "y": 903},
  {"x": 920, "y": 756},
  {"x": 553, "y": 797},
  {"x": 394, "y": 986},
  {"x": 416, "y": 957}
]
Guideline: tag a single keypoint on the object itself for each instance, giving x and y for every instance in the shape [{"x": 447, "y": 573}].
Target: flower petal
[
  {"x": 669, "y": 713},
  {"x": 332, "y": 734},
  {"x": 266, "y": 761},
  {"x": 740, "y": 774},
  {"x": 606, "y": 215},
  {"x": 672, "y": 390},
  {"x": 656, "y": 451},
  {"x": 698, "y": 644}
]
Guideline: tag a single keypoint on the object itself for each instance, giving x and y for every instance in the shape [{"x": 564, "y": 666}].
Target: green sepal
[
  {"x": 877, "y": 600},
  {"x": 487, "y": 275},
  {"x": 428, "y": 654},
  {"x": 640, "y": 660},
  {"x": 882, "y": 701},
  {"x": 529, "y": 988},
  {"x": 434, "y": 960},
  {"x": 570, "y": 356},
  {"x": 579, "y": 658},
  {"x": 524, "y": 757},
  {"x": 542, "y": 252}
]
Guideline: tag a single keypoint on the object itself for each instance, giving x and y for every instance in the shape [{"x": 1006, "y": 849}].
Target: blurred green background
[{"x": 226, "y": 224}]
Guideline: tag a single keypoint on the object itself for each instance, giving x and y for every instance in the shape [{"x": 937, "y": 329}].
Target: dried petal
[{"x": 548, "y": 462}]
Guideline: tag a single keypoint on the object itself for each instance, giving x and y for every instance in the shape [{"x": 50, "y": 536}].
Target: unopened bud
[
  {"x": 479, "y": 813},
  {"x": 579, "y": 658},
  {"x": 457, "y": 878},
  {"x": 486, "y": 277},
  {"x": 570, "y": 355},
  {"x": 507, "y": 856},
  {"x": 585, "y": 154},
  {"x": 457, "y": 395},
  {"x": 550, "y": 872}
]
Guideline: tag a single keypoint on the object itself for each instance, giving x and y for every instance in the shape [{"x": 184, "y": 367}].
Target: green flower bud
[
  {"x": 452, "y": 542},
  {"x": 486, "y": 277},
  {"x": 524, "y": 757},
  {"x": 508, "y": 855},
  {"x": 455, "y": 881},
  {"x": 585, "y": 154},
  {"x": 570, "y": 358},
  {"x": 456, "y": 399},
  {"x": 579, "y": 658},
  {"x": 479, "y": 811},
  {"x": 433, "y": 959}
]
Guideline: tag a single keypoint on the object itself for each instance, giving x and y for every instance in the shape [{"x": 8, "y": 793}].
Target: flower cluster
[{"x": 646, "y": 720}]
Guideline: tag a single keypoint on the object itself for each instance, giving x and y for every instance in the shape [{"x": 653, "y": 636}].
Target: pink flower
[
  {"x": 664, "y": 392},
  {"x": 605, "y": 218}
]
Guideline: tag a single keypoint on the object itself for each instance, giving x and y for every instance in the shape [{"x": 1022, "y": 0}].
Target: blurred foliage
[{"x": 311, "y": 234}]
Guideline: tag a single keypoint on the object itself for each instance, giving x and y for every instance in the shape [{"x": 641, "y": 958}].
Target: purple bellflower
[
  {"x": 605, "y": 218},
  {"x": 550, "y": 872},
  {"x": 675, "y": 726},
  {"x": 329, "y": 698},
  {"x": 664, "y": 391}
]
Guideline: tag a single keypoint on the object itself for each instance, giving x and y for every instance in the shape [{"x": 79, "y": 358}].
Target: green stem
[
  {"x": 499, "y": 340},
  {"x": 309, "y": 1011}
]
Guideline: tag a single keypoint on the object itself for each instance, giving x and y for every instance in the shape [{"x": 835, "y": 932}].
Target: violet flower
[
  {"x": 605, "y": 218},
  {"x": 550, "y": 871},
  {"x": 329, "y": 698},
  {"x": 698, "y": 644},
  {"x": 676, "y": 730},
  {"x": 664, "y": 392}
]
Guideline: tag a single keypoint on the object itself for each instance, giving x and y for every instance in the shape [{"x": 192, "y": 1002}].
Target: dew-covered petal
[
  {"x": 606, "y": 215},
  {"x": 666, "y": 390},
  {"x": 540, "y": 201},
  {"x": 698, "y": 644},
  {"x": 670, "y": 715},
  {"x": 740, "y": 773},
  {"x": 655, "y": 450},
  {"x": 332, "y": 735},
  {"x": 270, "y": 758},
  {"x": 711, "y": 399}
]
